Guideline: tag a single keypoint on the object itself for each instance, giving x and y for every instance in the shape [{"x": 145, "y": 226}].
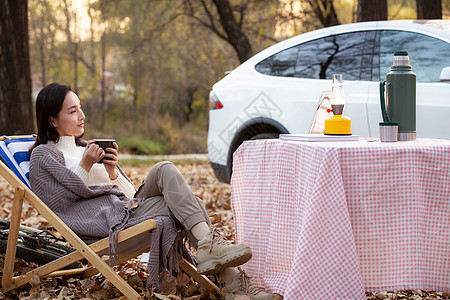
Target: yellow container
[{"x": 338, "y": 125}]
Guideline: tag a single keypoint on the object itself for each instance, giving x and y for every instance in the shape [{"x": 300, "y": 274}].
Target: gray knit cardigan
[
  {"x": 92, "y": 212},
  {"x": 95, "y": 212}
]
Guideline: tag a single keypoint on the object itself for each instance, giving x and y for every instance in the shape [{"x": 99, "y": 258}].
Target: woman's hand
[
  {"x": 92, "y": 154},
  {"x": 110, "y": 164}
]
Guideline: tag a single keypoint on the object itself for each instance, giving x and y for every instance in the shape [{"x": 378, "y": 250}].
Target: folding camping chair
[{"x": 14, "y": 169}]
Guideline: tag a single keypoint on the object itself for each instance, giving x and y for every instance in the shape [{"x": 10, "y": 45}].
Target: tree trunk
[
  {"x": 72, "y": 44},
  {"x": 429, "y": 9},
  {"x": 324, "y": 10},
  {"x": 103, "y": 92},
  {"x": 372, "y": 10},
  {"x": 236, "y": 37},
  {"x": 75, "y": 67},
  {"x": 16, "y": 115},
  {"x": 189, "y": 103},
  {"x": 42, "y": 61},
  {"x": 42, "y": 41},
  {"x": 136, "y": 87},
  {"x": 92, "y": 42}
]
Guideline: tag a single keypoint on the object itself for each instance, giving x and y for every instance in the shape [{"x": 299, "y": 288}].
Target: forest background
[{"x": 143, "y": 69}]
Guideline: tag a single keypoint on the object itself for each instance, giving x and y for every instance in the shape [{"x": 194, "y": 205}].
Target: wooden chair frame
[{"x": 84, "y": 251}]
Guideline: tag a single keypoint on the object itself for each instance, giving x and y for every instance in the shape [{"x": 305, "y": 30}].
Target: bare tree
[
  {"x": 235, "y": 35},
  {"x": 372, "y": 10},
  {"x": 40, "y": 32},
  {"x": 90, "y": 64},
  {"x": 15, "y": 89},
  {"x": 429, "y": 9},
  {"x": 231, "y": 27},
  {"x": 72, "y": 41},
  {"x": 103, "y": 83},
  {"x": 103, "y": 65},
  {"x": 325, "y": 12},
  {"x": 42, "y": 42}
]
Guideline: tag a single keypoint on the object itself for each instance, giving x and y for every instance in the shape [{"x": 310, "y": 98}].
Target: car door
[{"x": 428, "y": 56}]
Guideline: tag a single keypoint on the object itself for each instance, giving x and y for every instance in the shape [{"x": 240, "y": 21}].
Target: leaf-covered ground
[{"x": 216, "y": 197}]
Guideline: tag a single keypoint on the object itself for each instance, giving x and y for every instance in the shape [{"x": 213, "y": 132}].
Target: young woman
[{"x": 98, "y": 200}]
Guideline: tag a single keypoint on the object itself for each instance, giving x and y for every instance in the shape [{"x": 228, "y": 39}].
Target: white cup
[{"x": 388, "y": 131}]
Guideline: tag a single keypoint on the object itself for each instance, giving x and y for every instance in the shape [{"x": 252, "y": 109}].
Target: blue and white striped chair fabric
[{"x": 14, "y": 152}]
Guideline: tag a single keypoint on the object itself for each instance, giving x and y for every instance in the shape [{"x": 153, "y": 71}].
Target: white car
[{"x": 278, "y": 90}]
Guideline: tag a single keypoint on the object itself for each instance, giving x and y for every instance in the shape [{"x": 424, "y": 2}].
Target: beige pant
[{"x": 166, "y": 192}]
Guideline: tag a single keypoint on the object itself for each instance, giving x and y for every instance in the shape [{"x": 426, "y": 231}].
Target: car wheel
[{"x": 266, "y": 135}]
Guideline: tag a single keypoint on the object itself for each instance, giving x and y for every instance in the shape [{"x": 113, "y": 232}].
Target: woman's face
[{"x": 70, "y": 119}]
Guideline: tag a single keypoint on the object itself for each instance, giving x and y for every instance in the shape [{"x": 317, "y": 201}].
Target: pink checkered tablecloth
[{"x": 333, "y": 220}]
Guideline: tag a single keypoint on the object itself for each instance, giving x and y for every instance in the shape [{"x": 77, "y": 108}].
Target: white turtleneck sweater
[{"x": 97, "y": 175}]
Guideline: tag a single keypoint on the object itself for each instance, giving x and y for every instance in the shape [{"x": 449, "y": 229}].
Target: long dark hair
[{"x": 48, "y": 104}]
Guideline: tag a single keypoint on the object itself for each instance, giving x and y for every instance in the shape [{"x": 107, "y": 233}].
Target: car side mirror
[{"x": 445, "y": 75}]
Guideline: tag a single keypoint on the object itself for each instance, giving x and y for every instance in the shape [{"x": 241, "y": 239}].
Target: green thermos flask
[{"x": 400, "y": 103}]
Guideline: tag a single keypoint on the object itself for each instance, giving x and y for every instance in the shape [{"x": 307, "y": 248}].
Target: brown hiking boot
[
  {"x": 241, "y": 285},
  {"x": 214, "y": 254}
]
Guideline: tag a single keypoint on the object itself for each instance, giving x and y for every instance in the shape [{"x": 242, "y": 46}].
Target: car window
[
  {"x": 428, "y": 55},
  {"x": 342, "y": 53},
  {"x": 280, "y": 64},
  {"x": 349, "y": 54}
]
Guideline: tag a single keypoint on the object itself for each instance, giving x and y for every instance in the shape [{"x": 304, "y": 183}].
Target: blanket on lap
[{"x": 95, "y": 212}]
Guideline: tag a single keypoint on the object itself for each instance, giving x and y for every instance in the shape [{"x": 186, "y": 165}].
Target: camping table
[{"x": 329, "y": 220}]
